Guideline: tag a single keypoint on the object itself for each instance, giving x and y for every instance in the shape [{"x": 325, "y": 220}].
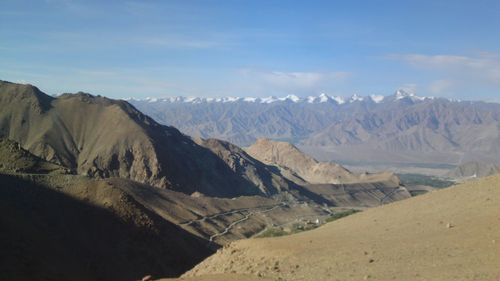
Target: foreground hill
[
  {"x": 102, "y": 138},
  {"x": 404, "y": 128},
  {"x": 450, "y": 234}
]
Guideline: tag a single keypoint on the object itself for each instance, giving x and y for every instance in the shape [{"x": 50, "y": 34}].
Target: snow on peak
[
  {"x": 339, "y": 100},
  {"x": 250, "y": 99},
  {"x": 311, "y": 99},
  {"x": 321, "y": 98},
  {"x": 377, "y": 98},
  {"x": 193, "y": 100},
  {"x": 270, "y": 99},
  {"x": 231, "y": 99},
  {"x": 292, "y": 98},
  {"x": 401, "y": 94},
  {"x": 356, "y": 97}
]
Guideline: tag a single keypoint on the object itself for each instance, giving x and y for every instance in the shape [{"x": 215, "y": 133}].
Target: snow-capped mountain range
[
  {"x": 321, "y": 98},
  {"x": 402, "y": 127}
]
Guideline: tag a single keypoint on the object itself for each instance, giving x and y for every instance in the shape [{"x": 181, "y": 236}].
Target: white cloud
[
  {"x": 302, "y": 79},
  {"x": 281, "y": 82},
  {"x": 482, "y": 67},
  {"x": 441, "y": 86}
]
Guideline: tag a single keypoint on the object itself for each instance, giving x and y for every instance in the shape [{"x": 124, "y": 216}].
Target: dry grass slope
[{"x": 451, "y": 234}]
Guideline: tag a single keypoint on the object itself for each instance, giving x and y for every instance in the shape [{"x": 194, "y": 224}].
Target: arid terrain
[
  {"x": 249, "y": 140},
  {"x": 450, "y": 234},
  {"x": 80, "y": 166},
  {"x": 80, "y": 202}
]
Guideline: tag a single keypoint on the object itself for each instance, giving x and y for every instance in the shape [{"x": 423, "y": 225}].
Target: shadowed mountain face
[
  {"x": 104, "y": 235},
  {"x": 101, "y": 137},
  {"x": 398, "y": 129},
  {"x": 253, "y": 170},
  {"x": 56, "y": 226}
]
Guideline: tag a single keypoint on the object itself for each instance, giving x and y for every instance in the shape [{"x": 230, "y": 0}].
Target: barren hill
[
  {"x": 15, "y": 159},
  {"x": 102, "y": 138},
  {"x": 56, "y": 226},
  {"x": 299, "y": 164},
  {"x": 249, "y": 168},
  {"x": 451, "y": 234}
]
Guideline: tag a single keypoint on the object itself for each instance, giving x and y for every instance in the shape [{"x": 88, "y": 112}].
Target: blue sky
[{"x": 253, "y": 48}]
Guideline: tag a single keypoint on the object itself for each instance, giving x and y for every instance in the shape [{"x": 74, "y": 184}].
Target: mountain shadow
[{"x": 48, "y": 235}]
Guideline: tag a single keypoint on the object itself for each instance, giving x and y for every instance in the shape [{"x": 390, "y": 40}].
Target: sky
[{"x": 255, "y": 48}]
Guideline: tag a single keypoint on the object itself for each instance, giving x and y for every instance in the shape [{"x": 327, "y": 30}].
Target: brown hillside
[
  {"x": 300, "y": 165},
  {"x": 101, "y": 137},
  {"x": 69, "y": 227},
  {"x": 249, "y": 168},
  {"x": 450, "y": 234}
]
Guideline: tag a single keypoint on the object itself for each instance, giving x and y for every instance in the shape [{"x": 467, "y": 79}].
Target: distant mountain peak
[
  {"x": 400, "y": 94},
  {"x": 292, "y": 98},
  {"x": 355, "y": 98},
  {"x": 377, "y": 98},
  {"x": 407, "y": 94}
]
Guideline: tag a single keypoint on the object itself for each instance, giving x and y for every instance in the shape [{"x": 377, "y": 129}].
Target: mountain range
[
  {"x": 93, "y": 189},
  {"x": 401, "y": 129},
  {"x": 84, "y": 178}
]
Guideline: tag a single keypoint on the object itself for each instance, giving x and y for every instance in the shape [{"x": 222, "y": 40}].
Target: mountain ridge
[
  {"x": 69, "y": 130},
  {"x": 320, "y": 98},
  {"x": 399, "y": 129}
]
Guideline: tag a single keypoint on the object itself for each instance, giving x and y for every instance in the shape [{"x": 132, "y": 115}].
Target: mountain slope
[
  {"x": 249, "y": 168},
  {"x": 449, "y": 234},
  {"x": 431, "y": 131},
  {"x": 297, "y": 163},
  {"x": 474, "y": 169},
  {"x": 101, "y": 137},
  {"x": 15, "y": 159},
  {"x": 68, "y": 227}
]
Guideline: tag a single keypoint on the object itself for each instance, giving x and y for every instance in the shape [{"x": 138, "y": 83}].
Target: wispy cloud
[
  {"x": 452, "y": 75},
  {"x": 297, "y": 82},
  {"x": 302, "y": 79},
  {"x": 485, "y": 66},
  {"x": 440, "y": 87}
]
